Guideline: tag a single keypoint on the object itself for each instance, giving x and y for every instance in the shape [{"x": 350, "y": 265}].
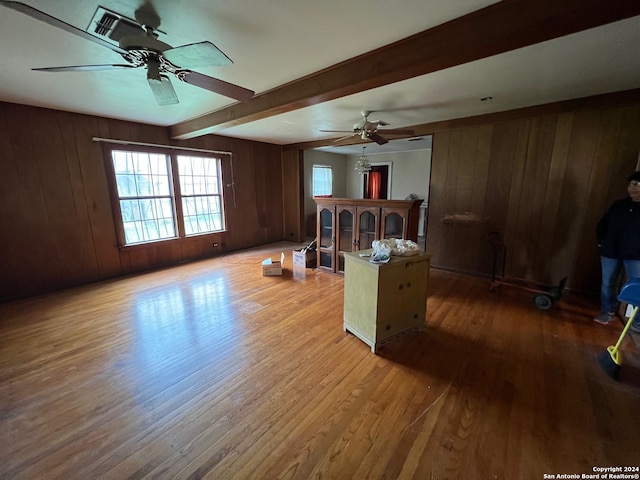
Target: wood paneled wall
[
  {"x": 293, "y": 195},
  {"x": 541, "y": 181},
  {"x": 55, "y": 215}
]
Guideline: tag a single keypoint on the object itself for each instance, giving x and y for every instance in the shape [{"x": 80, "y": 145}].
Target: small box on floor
[
  {"x": 272, "y": 268},
  {"x": 302, "y": 258}
]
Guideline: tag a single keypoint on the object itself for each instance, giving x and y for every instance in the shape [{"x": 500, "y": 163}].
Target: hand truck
[{"x": 544, "y": 296}]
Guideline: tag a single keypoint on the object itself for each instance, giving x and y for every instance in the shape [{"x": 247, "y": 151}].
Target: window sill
[{"x": 190, "y": 238}]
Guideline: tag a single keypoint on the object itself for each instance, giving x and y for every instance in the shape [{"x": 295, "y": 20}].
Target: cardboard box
[
  {"x": 272, "y": 268},
  {"x": 304, "y": 259}
]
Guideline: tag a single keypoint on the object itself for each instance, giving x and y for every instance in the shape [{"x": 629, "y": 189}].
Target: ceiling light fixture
[{"x": 362, "y": 164}]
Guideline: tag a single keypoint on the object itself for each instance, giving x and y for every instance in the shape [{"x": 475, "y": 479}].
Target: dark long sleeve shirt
[{"x": 618, "y": 231}]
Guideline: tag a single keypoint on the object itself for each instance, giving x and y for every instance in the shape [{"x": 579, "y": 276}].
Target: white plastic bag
[
  {"x": 398, "y": 247},
  {"x": 381, "y": 252}
]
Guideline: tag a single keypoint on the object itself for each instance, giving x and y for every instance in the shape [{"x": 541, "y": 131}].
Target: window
[
  {"x": 322, "y": 181},
  {"x": 201, "y": 190},
  {"x": 160, "y": 195}
]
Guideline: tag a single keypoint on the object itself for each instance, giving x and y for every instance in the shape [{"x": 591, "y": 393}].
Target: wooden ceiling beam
[{"x": 498, "y": 28}]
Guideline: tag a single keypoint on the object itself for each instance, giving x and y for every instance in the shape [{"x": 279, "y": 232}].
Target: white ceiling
[{"x": 273, "y": 42}]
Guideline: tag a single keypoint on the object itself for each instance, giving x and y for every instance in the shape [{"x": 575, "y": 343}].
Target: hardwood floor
[{"x": 209, "y": 370}]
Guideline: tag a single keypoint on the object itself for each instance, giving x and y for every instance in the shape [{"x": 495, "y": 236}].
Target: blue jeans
[{"x": 611, "y": 269}]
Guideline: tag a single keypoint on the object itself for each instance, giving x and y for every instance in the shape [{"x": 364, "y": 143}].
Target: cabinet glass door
[
  {"x": 345, "y": 231},
  {"x": 326, "y": 228},
  {"x": 325, "y": 238},
  {"x": 368, "y": 227},
  {"x": 393, "y": 225},
  {"x": 346, "y": 220}
]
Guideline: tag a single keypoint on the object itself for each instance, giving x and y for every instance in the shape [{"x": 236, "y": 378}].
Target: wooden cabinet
[
  {"x": 385, "y": 301},
  {"x": 348, "y": 225}
]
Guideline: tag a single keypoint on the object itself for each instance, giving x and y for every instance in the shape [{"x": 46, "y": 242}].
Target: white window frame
[
  {"x": 322, "y": 192},
  {"x": 202, "y": 204}
]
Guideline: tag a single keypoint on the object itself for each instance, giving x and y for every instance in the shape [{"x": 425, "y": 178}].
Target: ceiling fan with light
[
  {"x": 138, "y": 44},
  {"x": 368, "y": 130}
]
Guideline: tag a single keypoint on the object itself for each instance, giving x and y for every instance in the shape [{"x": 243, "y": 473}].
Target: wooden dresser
[{"x": 385, "y": 301}]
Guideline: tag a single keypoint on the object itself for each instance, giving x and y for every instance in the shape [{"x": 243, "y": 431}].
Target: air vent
[
  {"x": 112, "y": 26},
  {"x": 105, "y": 24}
]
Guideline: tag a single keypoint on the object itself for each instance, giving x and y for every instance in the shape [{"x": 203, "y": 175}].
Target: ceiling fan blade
[
  {"x": 195, "y": 55},
  {"x": 83, "y": 68},
  {"x": 163, "y": 90},
  {"x": 147, "y": 15},
  {"x": 397, "y": 131},
  {"x": 215, "y": 85},
  {"x": 54, "y": 22},
  {"x": 339, "y": 131},
  {"x": 344, "y": 138},
  {"x": 377, "y": 138}
]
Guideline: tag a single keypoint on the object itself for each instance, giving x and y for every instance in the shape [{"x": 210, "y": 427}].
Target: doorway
[{"x": 376, "y": 182}]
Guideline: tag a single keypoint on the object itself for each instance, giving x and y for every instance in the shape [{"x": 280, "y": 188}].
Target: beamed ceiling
[{"x": 314, "y": 66}]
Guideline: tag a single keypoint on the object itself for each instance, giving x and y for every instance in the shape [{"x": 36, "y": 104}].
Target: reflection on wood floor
[{"x": 209, "y": 370}]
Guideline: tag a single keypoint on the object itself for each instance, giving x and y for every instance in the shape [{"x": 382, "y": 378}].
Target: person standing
[{"x": 618, "y": 234}]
